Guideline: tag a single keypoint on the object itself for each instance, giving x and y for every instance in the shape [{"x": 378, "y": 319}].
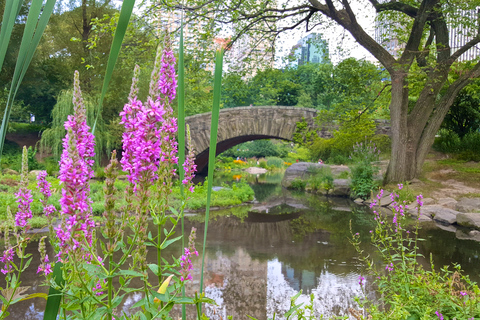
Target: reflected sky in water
[{"x": 256, "y": 261}]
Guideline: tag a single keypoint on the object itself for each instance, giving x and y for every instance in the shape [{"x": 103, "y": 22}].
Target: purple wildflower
[
  {"x": 44, "y": 187},
  {"x": 75, "y": 172},
  {"x": 400, "y": 186},
  {"x": 24, "y": 213},
  {"x": 185, "y": 261},
  {"x": 389, "y": 267},
  {"x": 439, "y": 315},
  {"x": 361, "y": 280},
  {"x": 7, "y": 259}
]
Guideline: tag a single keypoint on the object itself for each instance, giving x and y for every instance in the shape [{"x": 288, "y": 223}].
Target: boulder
[
  {"x": 358, "y": 201},
  {"x": 341, "y": 187},
  {"x": 469, "y": 219},
  {"x": 424, "y": 218},
  {"x": 34, "y": 173},
  {"x": 468, "y": 235},
  {"x": 468, "y": 205},
  {"x": 447, "y": 202},
  {"x": 10, "y": 171},
  {"x": 338, "y": 169},
  {"x": 428, "y": 202},
  {"x": 298, "y": 171},
  {"x": 448, "y": 228},
  {"x": 385, "y": 200},
  {"x": 440, "y": 214},
  {"x": 256, "y": 170}
]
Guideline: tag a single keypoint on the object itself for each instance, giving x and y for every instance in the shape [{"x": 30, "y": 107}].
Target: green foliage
[
  {"x": 466, "y": 148},
  {"x": 406, "y": 289},
  {"x": 464, "y": 114},
  {"x": 352, "y": 129},
  {"x": 255, "y": 148},
  {"x": 320, "y": 178},
  {"x": 300, "y": 153},
  {"x": 298, "y": 184},
  {"x": 52, "y": 138},
  {"x": 363, "y": 170},
  {"x": 275, "y": 162}
]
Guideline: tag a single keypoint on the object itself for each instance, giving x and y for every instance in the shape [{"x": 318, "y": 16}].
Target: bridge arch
[{"x": 241, "y": 124}]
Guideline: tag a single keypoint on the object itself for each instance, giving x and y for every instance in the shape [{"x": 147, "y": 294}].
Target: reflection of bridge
[{"x": 237, "y": 125}]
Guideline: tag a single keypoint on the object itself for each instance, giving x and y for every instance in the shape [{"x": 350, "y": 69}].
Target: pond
[{"x": 260, "y": 255}]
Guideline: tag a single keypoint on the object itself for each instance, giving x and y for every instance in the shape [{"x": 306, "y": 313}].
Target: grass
[{"x": 233, "y": 195}]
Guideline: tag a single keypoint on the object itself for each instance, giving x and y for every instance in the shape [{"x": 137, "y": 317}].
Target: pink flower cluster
[
  {"x": 75, "y": 172},
  {"x": 24, "y": 213},
  {"x": 98, "y": 287},
  {"x": 185, "y": 261},
  {"x": 150, "y": 129},
  {"x": 7, "y": 259},
  {"x": 141, "y": 139},
  {"x": 45, "y": 266},
  {"x": 44, "y": 187}
]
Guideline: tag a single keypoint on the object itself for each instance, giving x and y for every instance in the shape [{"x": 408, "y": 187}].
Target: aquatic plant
[{"x": 406, "y": 289}]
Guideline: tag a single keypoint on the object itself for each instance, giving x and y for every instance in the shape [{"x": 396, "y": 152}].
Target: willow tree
[{"x": 421, "y": 28}]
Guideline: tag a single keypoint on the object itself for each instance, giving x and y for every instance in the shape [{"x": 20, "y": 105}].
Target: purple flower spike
[{"x": 75, "y": 172}]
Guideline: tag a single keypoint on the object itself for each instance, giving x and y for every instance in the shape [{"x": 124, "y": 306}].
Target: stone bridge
[{"x": 241, "y": 124}]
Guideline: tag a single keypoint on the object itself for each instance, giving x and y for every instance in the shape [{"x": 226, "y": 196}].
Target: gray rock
[
  {"x": 469, "y": 219},
  {"x": 468, "y": 234},
  {"x": 440, "y": 214},
  {"x": 298, "y": 170},
  {"x": 448, "y": 228},
  {"x": 424, "y": 218},
  {"x": 341, "y": 187},
  {"x": 358, "y": 200},
  {"x": 337, "y": 170},
  {"x": 34, "y": 173},
  {"x": 10, "y": 171},
  {"x": 385, "y": 200},
  {"x": 468, "y": 205},
  {"x": 428, "y": 201},
  {"x": 447, "y": 202}
]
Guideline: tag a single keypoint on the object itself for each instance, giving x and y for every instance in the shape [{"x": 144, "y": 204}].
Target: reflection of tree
[
  {"x": 265, "y": 190},
  {"x": 446, "y": 249}
]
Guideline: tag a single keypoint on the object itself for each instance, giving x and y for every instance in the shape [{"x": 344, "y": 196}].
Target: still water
[{"x": 260, "y": 255}]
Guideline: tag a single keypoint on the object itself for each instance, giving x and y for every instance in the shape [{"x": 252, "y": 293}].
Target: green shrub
[
  {"x": 337, "y": 158},
  {"x": 320, "y": 178},
  {"x": 471, "y": 142},
  {"x": 447, "y": 142},
  {"x": 363, "y": 156},
  {"x": 262, "y": 163},
  {"x": 383, "y": 142},
  {"x": 275, "y": 162},
  {"x": 298, "y": 184}
]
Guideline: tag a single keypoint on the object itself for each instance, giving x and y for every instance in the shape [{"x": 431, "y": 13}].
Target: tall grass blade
[
  {"x": 37, "y": 20},
  {"x": 12, "y": 8},
  {"x": 217, "y": 86},
  {"x": 123, "y": 20},
  {"x": 181, "y": 135},
  {"x": 54, "y": 296}
]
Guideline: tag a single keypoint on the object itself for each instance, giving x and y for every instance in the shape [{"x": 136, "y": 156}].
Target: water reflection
[{"x": 256, "y": 261}]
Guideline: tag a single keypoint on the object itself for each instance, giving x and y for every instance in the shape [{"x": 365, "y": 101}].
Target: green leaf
[
  {"x": 153, "y": 267},
  {"x": 130, "y": 273},
  {"x": 10, "y": 13},
  {"x": 217, "y": 87},
  {"x": 292, "y": 310},
  {"x": 139, "y": 303},
  {"x": 37, "y": 20},
  {"x": 169, "y": 242},
  {"x": 54, "y": 295}
]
